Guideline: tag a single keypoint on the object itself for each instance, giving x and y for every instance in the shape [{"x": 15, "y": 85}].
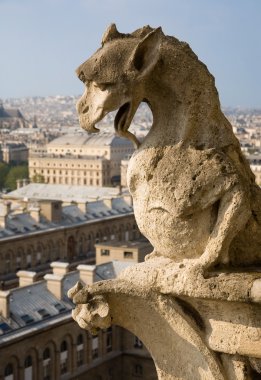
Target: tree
[
  {"x": 15, "y": 173},
  {"x": 4, "y": 169},
  {"x": 38, "y": 178}
]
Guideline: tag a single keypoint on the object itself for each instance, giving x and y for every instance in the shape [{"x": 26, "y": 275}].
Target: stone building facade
[
  {"x": 34, "y": 233},
  {"x": 81, "y": 160},
  {"x": 14, "y": 153}
]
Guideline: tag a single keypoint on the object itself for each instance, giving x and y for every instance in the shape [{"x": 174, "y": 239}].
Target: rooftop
[
  {"x": 101, "y": 139},
  {"x": 65, "y": 193},
  {"x": 19, "y": 222},
  {"x": 34, "y": 306}
]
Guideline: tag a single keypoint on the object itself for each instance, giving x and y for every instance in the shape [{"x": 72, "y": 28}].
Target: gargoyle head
[
  {"x": 91, "y": 312},
  {"x": 115, "y": 76}
]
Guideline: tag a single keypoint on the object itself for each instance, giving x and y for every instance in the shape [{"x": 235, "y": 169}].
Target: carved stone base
[{"x": 204, "y": 336}]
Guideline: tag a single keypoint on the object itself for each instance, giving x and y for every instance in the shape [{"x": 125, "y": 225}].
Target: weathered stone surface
[{"x": 197, "y": 296}]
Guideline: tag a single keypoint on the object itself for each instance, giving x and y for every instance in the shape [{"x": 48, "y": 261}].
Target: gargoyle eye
[{"x": 103, "y": 86}]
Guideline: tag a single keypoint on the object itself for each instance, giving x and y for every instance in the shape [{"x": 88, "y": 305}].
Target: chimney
[
  {"x": 55, "y": 285},
  {"x": 51, "y": 210},
  {"x": 26, "y": 277},
  {"x": 4, "y": 303},
  {"x": 34, "y": 211},
  {"x": 108, "y": 202},
  {"x": 5, "y": 207},
  {"x": 59, "y": 268},
  {"x": 87, "y": 273},
  {"x": 19, "y": 183},
  {"x": 25, "y": 181},
  {"x": 128, "y": 199},
  {"x": 54, "y": 281},
  {"x": 82, "y": 206}
]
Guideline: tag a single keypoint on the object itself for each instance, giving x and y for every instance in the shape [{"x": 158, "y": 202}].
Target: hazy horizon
[{"x": 44, "y": 41}]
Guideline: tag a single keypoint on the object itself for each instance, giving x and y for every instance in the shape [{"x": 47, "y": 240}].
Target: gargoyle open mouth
[{"x": 123, "y": 120}]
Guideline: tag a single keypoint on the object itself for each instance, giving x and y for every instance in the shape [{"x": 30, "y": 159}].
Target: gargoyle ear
[
  {"x": 110, "y": 33},
  {"x": 146, "y": 53}
]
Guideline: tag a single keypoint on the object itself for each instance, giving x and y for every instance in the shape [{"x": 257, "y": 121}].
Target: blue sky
[{"x": 43, "y": 41}]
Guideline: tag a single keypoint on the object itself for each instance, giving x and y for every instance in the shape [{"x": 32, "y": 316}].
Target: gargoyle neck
[{"x": 183, "y": 119}]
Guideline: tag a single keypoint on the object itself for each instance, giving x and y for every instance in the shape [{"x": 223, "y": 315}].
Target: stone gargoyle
[{"x": 194, "y": 196}]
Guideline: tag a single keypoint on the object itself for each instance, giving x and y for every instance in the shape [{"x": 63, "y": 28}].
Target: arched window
[
  {"x": 81, "y": 246},
  {"x": 9, "y": 372},
  {"x": 79, "y": 339},
  {"x": 97, "y": 239},
  {"x": 28, "y": 361},
  {"x": 109, "y": 339},
  {"x": 7, "y": 262},
  {"x": 19, "y": 259},
  {"x": 46, "y": 354},
  {"x": 64, "y": 357},
  {"x": 63, "y": 346},
  {"x": 28, "y": 368},
  {"x": 47, "y": 364},
  {"x": 29, "y": 258},
  {"x": 95, "y": 347},
  {"x": 80, "y": 350}
]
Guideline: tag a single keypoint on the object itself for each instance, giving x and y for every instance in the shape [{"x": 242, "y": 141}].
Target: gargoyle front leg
[{"x": 233, "y": 214}]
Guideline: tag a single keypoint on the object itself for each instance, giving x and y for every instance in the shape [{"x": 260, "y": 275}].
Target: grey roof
[
  {"x": 35, "y": 307},
  {"x": 19, "y": 223},
  {"x": 97, "y": 139},
  {"x": 14, "y": 146},
  {"x": 10, "y": 113},
  {"x": 65, "y": 193},
  {"x": 110, "y": 270}
]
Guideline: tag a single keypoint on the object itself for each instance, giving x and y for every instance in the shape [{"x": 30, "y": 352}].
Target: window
[
  {"x": 44, "y": 313},
  {"x": 95, "y": 347},
  {"x": 9, "y": 372},
  {"x": 29, "y": 259},
  {"x": 27, "y": 318},
  {"x": 60, "y": 307},
  {"x": 46, "y": 364},
  {"x": 64, "y": 357},
  {"x": 109, "y": 340},
  {"x": 28, "y": 368},
  {"x": 81, "y": 246},
  {"x": 4, "y": 327},
  {"x": 128, "y": 255},
  {"x": 80, "y": 351},
  {"x": 105, "y": 252}
]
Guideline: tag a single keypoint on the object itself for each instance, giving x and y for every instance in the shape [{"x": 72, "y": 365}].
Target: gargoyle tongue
[{"x": 123, "y": 120}]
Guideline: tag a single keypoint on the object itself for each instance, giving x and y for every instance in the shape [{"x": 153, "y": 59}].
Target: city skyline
[{"x": 44, "y": 42}]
